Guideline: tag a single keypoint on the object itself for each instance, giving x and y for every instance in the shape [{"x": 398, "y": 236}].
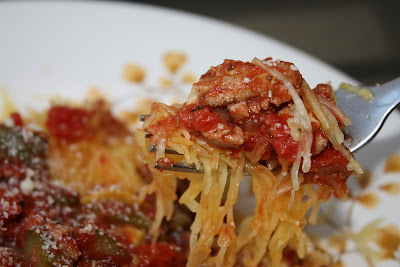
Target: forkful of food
[{"x": 235, "y": 104}]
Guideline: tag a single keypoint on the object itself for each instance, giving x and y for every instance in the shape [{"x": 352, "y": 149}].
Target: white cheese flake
[{"x": 27, "y": 185}]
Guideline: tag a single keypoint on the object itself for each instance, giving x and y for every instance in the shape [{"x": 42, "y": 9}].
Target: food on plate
[
  {"x": 70, "y": 185},
  {"x": 78, "y": 187}
]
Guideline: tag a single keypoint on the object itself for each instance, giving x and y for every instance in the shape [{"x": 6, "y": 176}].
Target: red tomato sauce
[
  {"x": 69, "y": 124},
  {"x": 16, "y": 117},
  {"x": 75, "y": 124},
  {"x": 329, "y": 168},
  {"x": 162, "y": 254}
]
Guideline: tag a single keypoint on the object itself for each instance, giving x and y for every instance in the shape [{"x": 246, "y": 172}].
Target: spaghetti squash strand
[{"x": 302, "y": 119}]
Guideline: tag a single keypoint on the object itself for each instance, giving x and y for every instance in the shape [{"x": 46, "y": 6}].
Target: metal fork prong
[
  {"x": 179, "y": 167},
  {"x": 185, "y": 167},
  {"x": 153, "y": 148},
  {"x": 143, "y": 117}
]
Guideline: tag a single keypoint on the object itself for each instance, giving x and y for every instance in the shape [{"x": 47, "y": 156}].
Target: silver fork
[{"x": 367, "y": 116}]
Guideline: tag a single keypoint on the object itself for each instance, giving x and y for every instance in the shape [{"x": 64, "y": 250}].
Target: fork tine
[
  {"x": 178, "y": 167},
  {"x": 184, "y": 167},
  {"x": 143, "y": 117},
  {"x": 153, "y": 148}
]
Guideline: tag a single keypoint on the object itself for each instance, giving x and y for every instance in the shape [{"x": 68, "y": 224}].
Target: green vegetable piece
[
  {"x": 106, "y": 245},
  {"x": 37, "y": 255},
  {"x": 28, "y": 147},
  {"x": 67, "y": 200},
  {"x": 34, "y": 252},
  {"x": 136, "y": 219}
]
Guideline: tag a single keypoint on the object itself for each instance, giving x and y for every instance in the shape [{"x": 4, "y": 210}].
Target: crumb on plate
[
  {"x": 173, "y": 60},
  {"x": 134, "y": 73}
]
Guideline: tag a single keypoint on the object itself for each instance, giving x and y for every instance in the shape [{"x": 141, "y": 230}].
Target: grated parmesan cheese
[{"x": 27, "y": 185}]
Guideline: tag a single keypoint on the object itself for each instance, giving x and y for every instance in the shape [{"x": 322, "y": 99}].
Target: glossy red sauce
[
  {"x": 163, "y": 130},
  {"x": 329, "y": 167},
  {"x": 69, "y": 124},
  {"x": 269, "y": 125},
  {"x": 16, "y": 117},
  {"x": 205, "y": 120},
  {"x": 280, "y": 137},
  {"x": 11, "y": 167},
  {"x": 160, "y": 255},
  {"x": 164, "y": 163},
  {"x": 76, "y": 124},
  {"x": 329, "y": 158}
]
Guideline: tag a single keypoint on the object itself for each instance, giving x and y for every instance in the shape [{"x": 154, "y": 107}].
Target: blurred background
[{"x": 361, "y": 38}]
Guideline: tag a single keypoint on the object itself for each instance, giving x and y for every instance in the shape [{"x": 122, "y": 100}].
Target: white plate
[{"x": 67, "y": 47}]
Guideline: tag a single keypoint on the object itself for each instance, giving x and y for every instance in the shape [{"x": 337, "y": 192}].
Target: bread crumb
[
  {"x": 94, "y": 94},
  {"x": 391, "y": 188},
  {"x": 389, "y": 241},
  {"x": 364, "y": 179},
  {"x": 189, "y": 77},
  {"x": 134, "y": 73},
  {"x": 393, "y": 163},
  {"x": 173, "y": 60},
  {"x": 369, "y": 200},
  {"x": 165, "y": 82}
]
